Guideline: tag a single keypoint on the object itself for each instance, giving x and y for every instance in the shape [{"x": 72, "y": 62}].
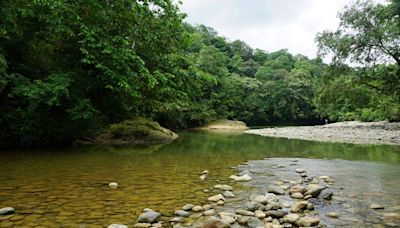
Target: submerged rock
[
  {"x": 137, "y": 131},
  {"x": 7, "y": 211},
  {"x": 291, "y": 218},
  {"x": 187, "y": 207},
  {"x": 149, "y": 217},
  {"x": 276, "y": 190},
  {"x": 216, "y": 198},
  {"x": 228, "y": 194},
  {"x": 117, "y": 226},
  {"x": 244, "y": 177},
  {"x": 223, "y": 187},
  {"x": 113, "y": 185},
  {"x": 314, "y": 190},
  {"x": 182, "y": 213},
  {"x": 255, "y": 223}
]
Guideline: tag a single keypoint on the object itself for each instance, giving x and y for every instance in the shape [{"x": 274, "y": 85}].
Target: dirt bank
[{"x": 344, "y": 132}]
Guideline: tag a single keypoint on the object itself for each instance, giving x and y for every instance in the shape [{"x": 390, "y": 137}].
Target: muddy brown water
[{"x": 69, "y": 187}]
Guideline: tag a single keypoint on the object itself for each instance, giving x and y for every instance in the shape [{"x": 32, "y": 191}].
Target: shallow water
[{"x": 69, "y": 187}]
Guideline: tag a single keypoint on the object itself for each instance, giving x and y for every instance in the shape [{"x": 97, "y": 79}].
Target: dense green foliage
[{"x": 67, "y": 69}]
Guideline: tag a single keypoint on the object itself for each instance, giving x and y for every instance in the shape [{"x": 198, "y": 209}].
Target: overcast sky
[{"x": 270, "y": 25}]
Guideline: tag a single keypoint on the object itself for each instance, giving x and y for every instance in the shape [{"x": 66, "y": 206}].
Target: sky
[{"x": 269, "y": 25}]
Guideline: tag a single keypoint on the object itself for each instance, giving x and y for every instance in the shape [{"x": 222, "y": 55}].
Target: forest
[{"x": 69, "y": 68}]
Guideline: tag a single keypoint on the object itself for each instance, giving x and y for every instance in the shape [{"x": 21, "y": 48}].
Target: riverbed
[{"x": 69, "y": 187}]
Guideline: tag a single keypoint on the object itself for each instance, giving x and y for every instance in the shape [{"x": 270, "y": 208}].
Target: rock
[
  {"x": 225, "y": 125},
  {"x": 137, "y": 131},
  {"x": 255, "y": 223},
  {"x": 147, "y": 210},
  {"x": 279, "y": 183},
  {"x": 303, "y": 175},
  {"x": 182, "y": 213},
  {"x": 327, "y": 179},
  {"x": 376, "y": 206},
  {"x": 187, "y": 207},
  {"x": 242, "y": 220},
  {"x": 291, "y": 218},
  {"x": 117, "y": 226},
  {"x": 332, "y": 215},
  {"x": 206, "y": 190},
  {"x": 223, "y": 187},
  {"x": 204, "y": 172},
  {"x": 299, "y": 206},
  {"x": 276, "y": 190},
  {"x": 307, "y": 221},
  {"x": 228, "y": 194},
  {"x": 271, "y": 197},
  {"x": 149, "y": 217},
  {"x": 275, "y": 213},
  {"x": 216, "y": 198},
  {"x": 307, "y": 196},
  {"x": 259, "y": 214},
  {"x": 310, "y": 206},
  {"x": 273, "y": 206},
  {"x": 197, "y": 208},
  {"x": 7, "y": 211},
  {"x": 296, "y": 189},
  {"x": 326, "y": 194},
  {"x": 113, "y": 185},
  {"x": 300, "y": 170},
  {"x": 244, "y": 177},
  {"x": 261, "y": 199},
  {"x": 314, "y": 190},
  {"x": 229, "y": 219},
  {"x": 157, "y": 225},
  {"x": 220, "y": 203},
  {"x": 142, "y": 225},
  {"x": 297, "y": 195},
  {"x": 203, "y": 177},
  {"x": 252, "y": 205},
  {"x": 244, "y": 212},
  {"x": 209, "y": 212},
  {"x": 233, "y": 177},
  {"x": 268, "y": 219},
  {"x": 176, "y": 219},
  {"x": 207, "y": 207}
]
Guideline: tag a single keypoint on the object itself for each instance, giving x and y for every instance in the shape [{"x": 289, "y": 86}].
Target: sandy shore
[{"x": 345, "y": 132}]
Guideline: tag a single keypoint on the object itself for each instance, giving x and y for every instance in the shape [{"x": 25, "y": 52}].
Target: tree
[{"x": 368, "y": 33}]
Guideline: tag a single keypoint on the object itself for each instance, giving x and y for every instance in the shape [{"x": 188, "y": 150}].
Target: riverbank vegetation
[{"x": 68, "y": 69}]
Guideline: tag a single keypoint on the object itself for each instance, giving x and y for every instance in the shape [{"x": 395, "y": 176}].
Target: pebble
[
  {"x": 376, "y": 206},
  {"x": 332, "y": 215},
  {"x": 113, "y": 185}
]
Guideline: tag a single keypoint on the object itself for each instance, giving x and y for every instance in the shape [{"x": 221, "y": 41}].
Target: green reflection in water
[{"x": 52, "y": 186}]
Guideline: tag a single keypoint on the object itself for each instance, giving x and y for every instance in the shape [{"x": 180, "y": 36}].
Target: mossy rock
[{"x": 137, "y": 131}]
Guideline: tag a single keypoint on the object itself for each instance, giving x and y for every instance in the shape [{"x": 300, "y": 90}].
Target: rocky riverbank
[{"x": 344, "y": 132}]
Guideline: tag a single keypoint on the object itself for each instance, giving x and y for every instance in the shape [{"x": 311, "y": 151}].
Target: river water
[{"x": 69, "y": 187}]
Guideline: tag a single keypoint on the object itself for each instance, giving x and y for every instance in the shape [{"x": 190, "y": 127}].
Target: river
[{"x": 69, "y": 187}]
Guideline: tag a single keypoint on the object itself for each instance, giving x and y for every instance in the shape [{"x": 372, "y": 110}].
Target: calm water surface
[{"x": 69, "y": 187}]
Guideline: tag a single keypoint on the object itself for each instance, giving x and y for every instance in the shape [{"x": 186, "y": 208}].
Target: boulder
[
  {"x": 137, "y": 131},
  {"x": 149, "y": 217}
]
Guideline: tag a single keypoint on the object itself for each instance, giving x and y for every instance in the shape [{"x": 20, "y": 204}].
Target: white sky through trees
[{"x": 270, "y": 25}]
